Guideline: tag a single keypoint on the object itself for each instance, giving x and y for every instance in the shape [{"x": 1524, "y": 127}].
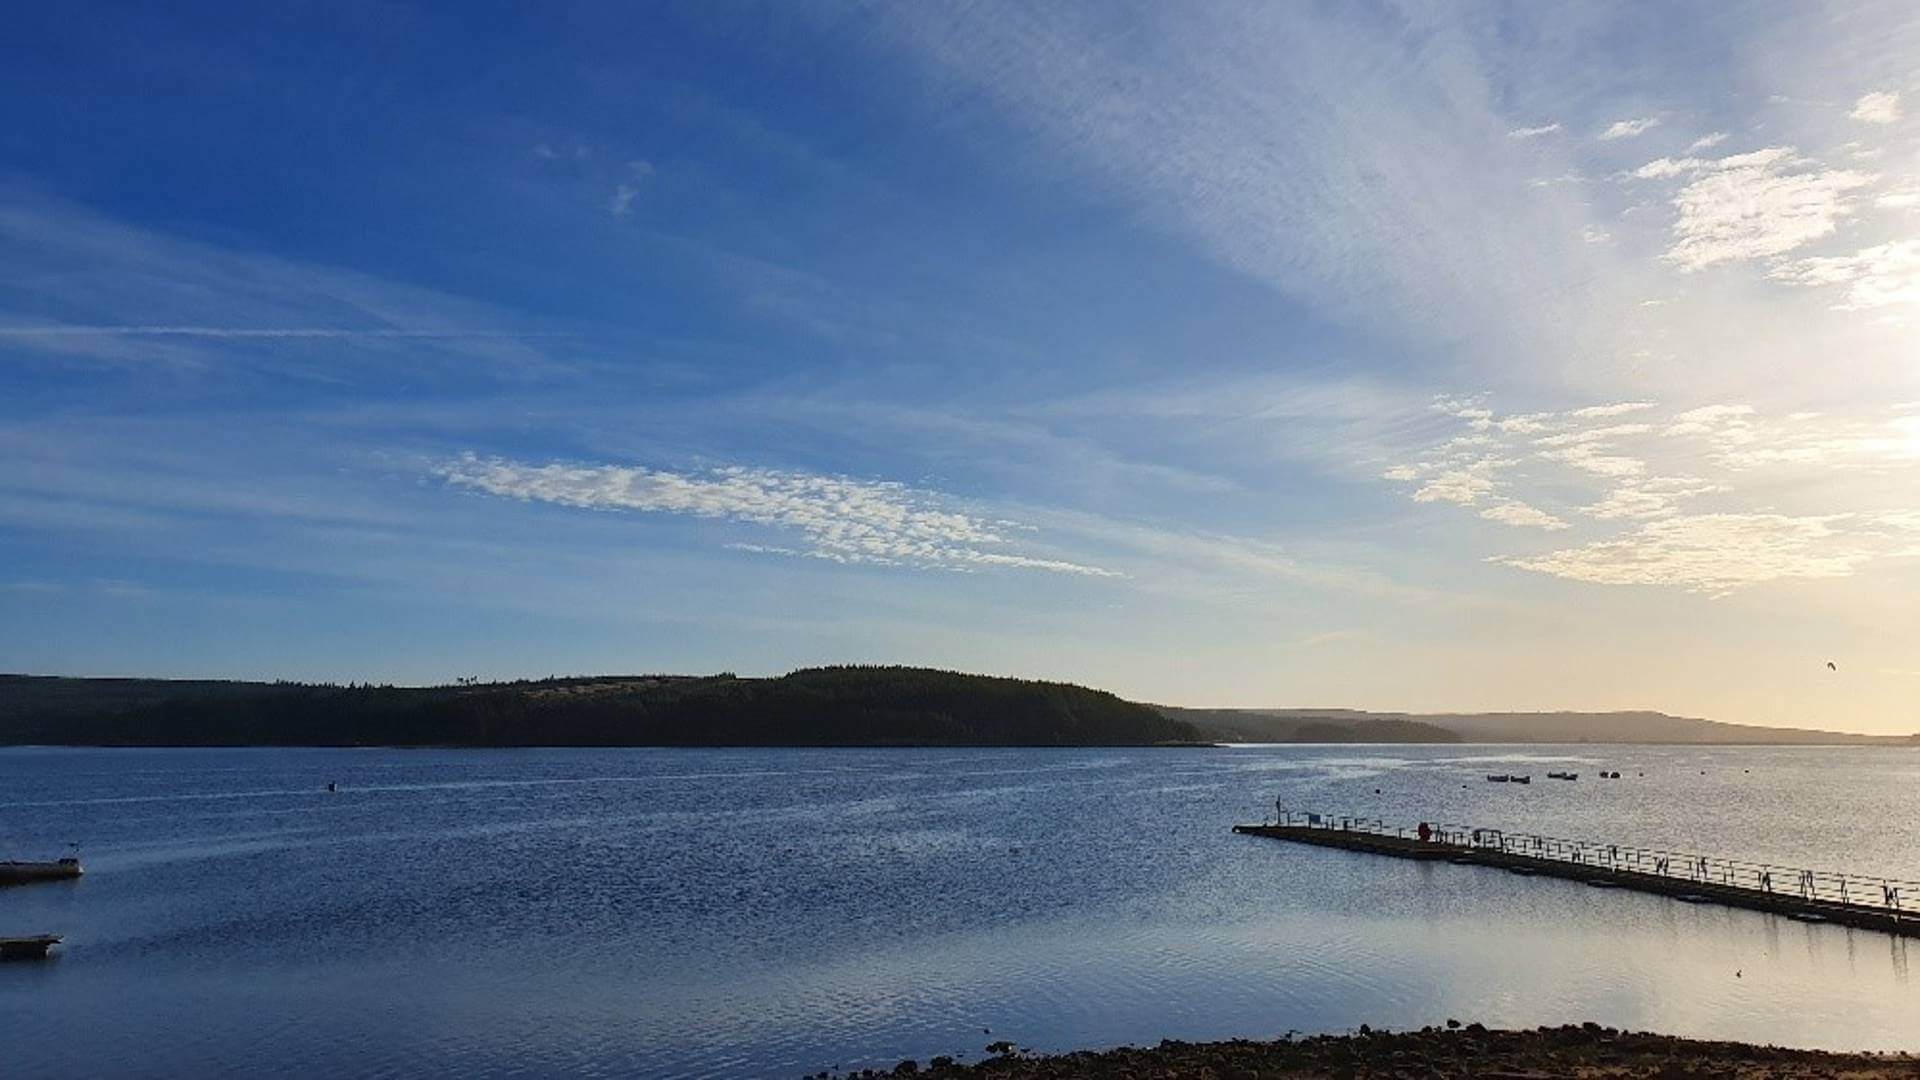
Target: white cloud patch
[
  {"x": 1618, "y": 408},
  {"x": 1533, "y": 132},
  {"x": 1460, "y": 470},
  {"x": 1591, "y": 457},
  {"x": 1706, "y": 142},
  {"x": 621, "y": 204},
  {"x": 1647, "y": 497},
  {"x": 1666, "y": 168},
  {"x": 1627, "y": 129},
  {"x": 1904, "y": 197},
  {"x": 1707, "y": 419},
  {"x": 840, "y": 519},
  {"x": 1593, "y": 435},
  {"x": 1882, "y": 107},
  {"x": 1752, "y": 206},
  {"x": 1587, "y": 449},
  {"x": 1463, "y": 484},
  {"x": 1874, "y": 277},
  {"x": 1516, "y": 513}
]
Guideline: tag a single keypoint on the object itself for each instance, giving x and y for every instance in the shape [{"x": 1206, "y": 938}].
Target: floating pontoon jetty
[{"x": 1807, "y": 895}]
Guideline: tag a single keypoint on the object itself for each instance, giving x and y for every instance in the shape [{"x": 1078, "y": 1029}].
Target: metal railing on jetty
[{"x": 1811, "y": 895}]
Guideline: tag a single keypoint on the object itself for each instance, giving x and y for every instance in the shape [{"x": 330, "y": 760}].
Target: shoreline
[{"x": 1586, "y": 1050}]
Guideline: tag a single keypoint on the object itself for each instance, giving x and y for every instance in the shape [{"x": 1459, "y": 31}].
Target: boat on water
[
  {"x": 25, "y": 873},
  {"x": 1498, "y": 778},
  {"x": 1528, "y": 779},
  {"x": 27, "y": 948},
  {"x": 1563, "y": 776}
]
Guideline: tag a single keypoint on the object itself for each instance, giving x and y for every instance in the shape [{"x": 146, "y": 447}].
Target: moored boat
[
  {"x": 27, "y": 948},
  {"x": 23, "y": 873}
]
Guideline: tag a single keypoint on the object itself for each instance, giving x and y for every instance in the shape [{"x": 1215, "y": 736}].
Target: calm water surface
[{"x": 775, "y": 912}]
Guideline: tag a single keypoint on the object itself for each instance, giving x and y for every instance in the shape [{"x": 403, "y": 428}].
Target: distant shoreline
[
  {"x": 849, "y": 706},
  {"x": 1587, "y": 1050},
  {"x": 1536, "y": 747}
]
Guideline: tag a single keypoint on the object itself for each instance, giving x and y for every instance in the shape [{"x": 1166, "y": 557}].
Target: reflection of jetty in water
[{"x": 1807, "y": 895}]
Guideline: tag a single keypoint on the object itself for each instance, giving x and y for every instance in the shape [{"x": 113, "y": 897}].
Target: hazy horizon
[{"x": 1529, "y": 358}]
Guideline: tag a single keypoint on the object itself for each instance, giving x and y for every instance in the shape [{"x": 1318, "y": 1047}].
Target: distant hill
[
  {"x": 841, "y": 706},
  {"x": 1306, "y": 725}
]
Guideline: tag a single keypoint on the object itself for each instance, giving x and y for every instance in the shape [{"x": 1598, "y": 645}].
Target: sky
[{"x": 1395, "y": 356}]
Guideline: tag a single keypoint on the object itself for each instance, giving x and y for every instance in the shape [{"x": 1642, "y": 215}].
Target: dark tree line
[{"x": 838, "y": 706}]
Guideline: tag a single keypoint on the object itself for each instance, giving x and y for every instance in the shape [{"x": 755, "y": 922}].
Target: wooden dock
[{"x": 1806, "y": 895}]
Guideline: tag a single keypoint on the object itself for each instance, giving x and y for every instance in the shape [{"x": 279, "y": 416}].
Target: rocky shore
[{"x": 1586, "y": 1051}]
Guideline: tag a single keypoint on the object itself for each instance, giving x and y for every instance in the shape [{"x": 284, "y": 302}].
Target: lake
[{"x": 777, "y": 912}]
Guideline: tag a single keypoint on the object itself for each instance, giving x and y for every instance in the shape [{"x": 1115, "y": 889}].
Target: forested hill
[{"x": 838, "y": 706}]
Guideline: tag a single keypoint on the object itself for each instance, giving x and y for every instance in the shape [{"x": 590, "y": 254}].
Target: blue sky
[{"x": 1395, "y": 356}]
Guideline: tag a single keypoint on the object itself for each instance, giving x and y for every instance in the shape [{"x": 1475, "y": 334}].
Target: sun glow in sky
[{"x": 1395, "y": 356}]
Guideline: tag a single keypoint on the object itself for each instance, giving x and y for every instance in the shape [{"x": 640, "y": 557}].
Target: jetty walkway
[{"x": 1807, "y": 895}]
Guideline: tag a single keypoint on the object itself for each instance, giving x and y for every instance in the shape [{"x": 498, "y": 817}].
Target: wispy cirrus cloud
[
  {"x": 1719, "y": 553},
  {"x": 153, "y": 299},
  {"x": 1192, "y": 118},
  {"x": 1738, "y": 438},
  {"x": 1654, "y": 469},
  {"x": 835, "y": 518},
  {"x": 268, "y": 333},
  {"x": 620, "y": 204},
  {"x": 1473, "y": 468}
]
